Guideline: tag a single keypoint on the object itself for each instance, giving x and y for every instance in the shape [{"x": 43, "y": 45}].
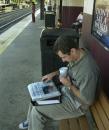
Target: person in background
[
  {"x": 45, "y": 6},
  {"x": 80, "y": 18},
  {"x": 78, "y": 23},
  {"x": 33, "y": 11},
  {"x": 59, "y": 23},
  {"x": 54, "y": 7},
  {"x": 78, "y": 87}
]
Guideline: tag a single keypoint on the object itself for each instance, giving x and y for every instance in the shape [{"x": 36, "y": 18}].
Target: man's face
[{"x": 67, "y": 57}]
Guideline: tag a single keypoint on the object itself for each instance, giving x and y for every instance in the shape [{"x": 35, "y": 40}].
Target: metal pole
[
  {"x": 60, "y": 10},
  {"x": 42, "y": 9}
]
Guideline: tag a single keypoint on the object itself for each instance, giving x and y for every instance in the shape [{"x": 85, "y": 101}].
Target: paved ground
[{"x": 20, "y": 64}]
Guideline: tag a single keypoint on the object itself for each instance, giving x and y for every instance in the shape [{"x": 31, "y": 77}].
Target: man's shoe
[{"x": 23, "y": 125}]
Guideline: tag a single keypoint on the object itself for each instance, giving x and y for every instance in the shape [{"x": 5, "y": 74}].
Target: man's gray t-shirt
[{"x": 85, "y": 76}]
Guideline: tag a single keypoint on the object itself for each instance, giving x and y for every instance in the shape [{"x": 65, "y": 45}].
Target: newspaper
[
  {"x": 43, "y": 90},
  {"x": 54, "y": 100}
]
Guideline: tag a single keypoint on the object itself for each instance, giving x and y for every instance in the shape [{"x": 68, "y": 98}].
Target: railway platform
[{"x": 20, "y": 64}]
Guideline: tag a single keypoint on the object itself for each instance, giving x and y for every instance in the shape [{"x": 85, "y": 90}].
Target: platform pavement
[
  {"x": 20, "y": 64},
  {"x": 8, "y": 36}
]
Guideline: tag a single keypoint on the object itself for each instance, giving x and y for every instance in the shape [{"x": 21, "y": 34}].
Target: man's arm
[
  {"x": 49, "y": 76},
  {"x": 75, "y": 90},
  {"x": 66, "y": 81}
]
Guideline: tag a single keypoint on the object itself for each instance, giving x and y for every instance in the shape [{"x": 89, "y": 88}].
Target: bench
[
  {"x": 80, "y": 123},
  {"x": 97, "y": 118}
]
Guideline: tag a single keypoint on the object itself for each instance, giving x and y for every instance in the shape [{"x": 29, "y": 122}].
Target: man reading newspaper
[{"x": 78, "y": 86}]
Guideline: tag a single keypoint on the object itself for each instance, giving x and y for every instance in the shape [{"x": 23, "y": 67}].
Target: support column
[
  {"x": 42, "y": 9},
  {"x": 60, "y": 10}
]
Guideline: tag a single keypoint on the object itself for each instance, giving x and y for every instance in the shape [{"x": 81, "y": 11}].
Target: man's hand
[
  {"x": 49, "y": 76},
  {"x": 65, "y": 81}
]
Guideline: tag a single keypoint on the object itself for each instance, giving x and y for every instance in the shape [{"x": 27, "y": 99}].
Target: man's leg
[
  {"x": 36, "y": 120},
  {"x": 39, "y": 115}
]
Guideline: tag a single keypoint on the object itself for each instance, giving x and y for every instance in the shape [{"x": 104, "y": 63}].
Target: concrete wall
[{"x": 73, "y": 3}]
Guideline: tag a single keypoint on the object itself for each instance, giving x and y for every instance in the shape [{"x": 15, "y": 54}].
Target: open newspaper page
[{"x": 43, "y": 90}]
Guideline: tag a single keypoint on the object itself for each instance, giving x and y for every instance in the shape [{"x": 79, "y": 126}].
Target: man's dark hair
[{"x": 65, "y": 43}]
